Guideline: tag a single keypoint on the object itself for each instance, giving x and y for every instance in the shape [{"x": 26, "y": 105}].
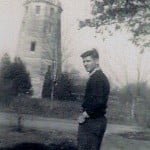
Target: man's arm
[{"x": 98, "y": 96}]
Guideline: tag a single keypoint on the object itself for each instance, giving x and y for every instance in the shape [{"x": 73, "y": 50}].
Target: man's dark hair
[{"x": 93, "y": 53}]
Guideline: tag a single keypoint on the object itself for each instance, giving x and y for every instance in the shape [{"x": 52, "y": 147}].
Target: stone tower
[{"x": 40, "y": 40}]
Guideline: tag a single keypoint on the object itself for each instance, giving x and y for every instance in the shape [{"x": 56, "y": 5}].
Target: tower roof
[{"x": 53, "y": 2}]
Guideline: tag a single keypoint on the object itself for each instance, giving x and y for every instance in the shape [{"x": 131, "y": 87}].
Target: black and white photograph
[{"x": 74, "y": 75}]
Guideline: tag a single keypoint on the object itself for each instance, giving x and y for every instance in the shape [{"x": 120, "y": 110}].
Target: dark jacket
[{"x": 96, "y": 95}]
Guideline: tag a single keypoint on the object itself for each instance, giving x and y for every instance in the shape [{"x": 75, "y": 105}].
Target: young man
[{"x": 92, "y": 121}]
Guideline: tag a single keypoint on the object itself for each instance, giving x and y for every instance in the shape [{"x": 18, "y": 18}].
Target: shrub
[
  {"x": 5, "y": 83},
  {"x": 14, "y": 79},
  {"x": 20, "y": 78},
  {"x": 47, "y": 86},
  {"x": 135, "y": 103},
  {"x": 64, "y": 87}
]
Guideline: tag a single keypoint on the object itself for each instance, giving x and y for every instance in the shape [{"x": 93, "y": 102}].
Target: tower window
[
  {"x": 50, "y": 27},
  {"x": 38, "y": 9},
  {"x": 27, "y": 9},
  {"x": 45, "y": 28},
  {"x": 33, "y": 45},
  {"x": 51, "y": 11}
]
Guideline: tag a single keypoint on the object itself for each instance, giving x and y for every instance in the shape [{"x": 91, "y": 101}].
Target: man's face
[{"x": 89, "y": 63}]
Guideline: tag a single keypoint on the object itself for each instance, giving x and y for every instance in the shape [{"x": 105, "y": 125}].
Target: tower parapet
[
  {"x": 51, "y": 2},
  {"x": 40, "y": 39}
]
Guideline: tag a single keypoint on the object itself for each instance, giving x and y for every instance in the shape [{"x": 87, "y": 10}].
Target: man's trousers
[{"x": 90, "y": 134}]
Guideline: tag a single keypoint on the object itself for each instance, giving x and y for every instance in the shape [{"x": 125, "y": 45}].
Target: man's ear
[{"x": 97, "y": 61}]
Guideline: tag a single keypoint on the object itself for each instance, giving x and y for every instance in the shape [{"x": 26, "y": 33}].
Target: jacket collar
[{"x": 96, "y": 69}]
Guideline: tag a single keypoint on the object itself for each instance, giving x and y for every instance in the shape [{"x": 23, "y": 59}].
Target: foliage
[
  {"x": 21, "y": 82},
  {"x": 47, "y": 86},
  {"x": 135, "y": 14},
  {"x": 63, "y": 89},
  {"x": 68, "y": 85},
  {"x": 5, "y": 66},
  {"x": 14, "y": 79},
  {"x": 141, "y": 97},
  {"x": 78, "y": 82},
  {"x": 5, "y": 83},
  {"x": 132, "y": 90}
]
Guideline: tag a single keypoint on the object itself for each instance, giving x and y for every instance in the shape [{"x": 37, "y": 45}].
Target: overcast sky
[{"x": 116, "y": 52}]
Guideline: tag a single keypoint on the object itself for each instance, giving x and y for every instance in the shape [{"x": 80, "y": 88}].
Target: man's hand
[
  {"x": 85, "y": 114},
  {"x": 81, "y": 119}
]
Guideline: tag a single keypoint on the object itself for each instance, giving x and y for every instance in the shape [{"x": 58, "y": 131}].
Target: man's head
[{"x": 90, "y": 60}]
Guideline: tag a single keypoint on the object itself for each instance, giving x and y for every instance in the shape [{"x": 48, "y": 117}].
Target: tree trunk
[
  {"x": 133, "y": 108},
  {"x": 19, "y": 123},
  {"x": 52, "y": 96}
]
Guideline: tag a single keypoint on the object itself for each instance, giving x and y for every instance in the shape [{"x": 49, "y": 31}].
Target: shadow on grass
[{"x": 37, "y": 146}]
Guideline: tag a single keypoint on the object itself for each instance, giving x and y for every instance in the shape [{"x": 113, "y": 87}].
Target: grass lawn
[
  {"x": 68, "y": 109},
  {"x": 42, "y": 107},
  {"x": 61, "y": 109},
  {"x": 9, "y": 137}
]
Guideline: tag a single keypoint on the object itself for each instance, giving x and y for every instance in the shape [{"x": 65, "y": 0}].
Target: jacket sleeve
[{"x": 97, "y": 99}]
